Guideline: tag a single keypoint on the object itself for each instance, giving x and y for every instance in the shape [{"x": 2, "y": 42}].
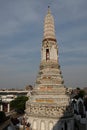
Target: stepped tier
[
  {"x": 54, "y": 106},
  {"x": 50, "y": 90}
]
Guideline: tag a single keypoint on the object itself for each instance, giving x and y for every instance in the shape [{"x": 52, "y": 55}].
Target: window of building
[{"x": 47, "y": 54}]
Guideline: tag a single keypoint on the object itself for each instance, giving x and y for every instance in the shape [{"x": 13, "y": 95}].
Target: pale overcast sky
[{"x": 21, "y": 34}]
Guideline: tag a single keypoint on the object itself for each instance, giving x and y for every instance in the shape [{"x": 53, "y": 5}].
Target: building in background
[{"x": 7, "y": 95}]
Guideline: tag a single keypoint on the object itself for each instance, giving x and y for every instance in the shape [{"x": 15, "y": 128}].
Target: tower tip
[{"x": 49, "y": 9}]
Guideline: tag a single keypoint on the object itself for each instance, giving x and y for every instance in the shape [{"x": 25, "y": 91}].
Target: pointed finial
[
  {"x": 49, "y": 29},
  {"x": 49, "y": 9}
]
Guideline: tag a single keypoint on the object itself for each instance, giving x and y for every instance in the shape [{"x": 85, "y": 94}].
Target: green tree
[
  {"x": 81, "y": 93},
  {"x": 19, "y": 104}
]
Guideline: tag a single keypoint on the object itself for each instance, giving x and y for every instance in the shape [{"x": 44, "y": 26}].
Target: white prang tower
[{"x": 48, "y": 106}]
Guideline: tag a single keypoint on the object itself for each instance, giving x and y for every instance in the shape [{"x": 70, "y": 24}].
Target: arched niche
[
  {"x": 80, "y": 108},
  {"x": 42, "y": 125},
  {"x": 50, "y": 125},
  {"x": 34, "y": 125}
]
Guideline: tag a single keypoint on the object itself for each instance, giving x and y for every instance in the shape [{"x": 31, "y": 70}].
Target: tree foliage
[
  {"x": 19, "y": 103},
  {"x": 80, "y": 94}
]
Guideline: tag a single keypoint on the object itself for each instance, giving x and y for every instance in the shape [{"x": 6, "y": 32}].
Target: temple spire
[
  {"x": 49, "y": 30},
  {"x": 48, "y": 105}
]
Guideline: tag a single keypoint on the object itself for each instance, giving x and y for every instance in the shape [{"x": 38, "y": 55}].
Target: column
[
  {"x": 69, "y": 126},
  {"x": 86, "y": 120},
  {"x": 8, "y": 107},
  {"x": 1, "y": 107},
  {"x": 34, "y": 126}
]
